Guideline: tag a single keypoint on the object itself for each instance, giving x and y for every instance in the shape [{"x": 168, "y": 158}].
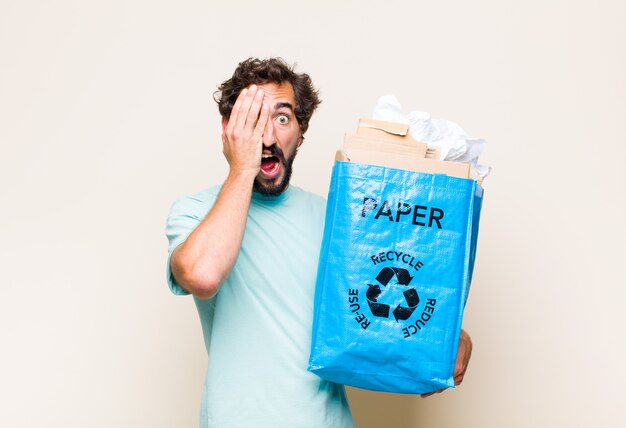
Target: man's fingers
[
  {"x": 462, "y": 360},
  {"x": 245, "y": 115},
  {"x": 458, "y": 378},
  {"x": 244, "y": 110},
  {"x": 262, "y": 122},
  {"x": 463, "y": 357},
  {"x": 255, "y": 108},
  {"x": 234, "y": 113}
]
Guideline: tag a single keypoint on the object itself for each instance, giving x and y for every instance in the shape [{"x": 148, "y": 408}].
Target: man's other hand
[{"x": 462, "y": 360}]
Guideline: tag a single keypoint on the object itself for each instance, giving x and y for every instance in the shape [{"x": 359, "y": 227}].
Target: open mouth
[{"x": 270, "y": 165}]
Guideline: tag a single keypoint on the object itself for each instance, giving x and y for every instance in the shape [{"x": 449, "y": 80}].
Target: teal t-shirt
[{"x": 257, "y": 329}]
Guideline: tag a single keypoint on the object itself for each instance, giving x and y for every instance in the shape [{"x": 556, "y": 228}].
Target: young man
[{"x": 247, "y": 250}]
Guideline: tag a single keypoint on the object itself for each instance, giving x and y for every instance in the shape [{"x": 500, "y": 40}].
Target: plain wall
[{"x": 106, "y": 117}]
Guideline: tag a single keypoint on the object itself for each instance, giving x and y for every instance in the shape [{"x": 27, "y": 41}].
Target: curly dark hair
[{"x": 270, "y": 70}]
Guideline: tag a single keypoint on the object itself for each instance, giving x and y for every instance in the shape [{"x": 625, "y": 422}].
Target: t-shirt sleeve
[{"x": 185, "y": 215}]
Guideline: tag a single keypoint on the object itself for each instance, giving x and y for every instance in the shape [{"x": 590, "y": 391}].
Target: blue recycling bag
[{"x": 394, "y": 274}]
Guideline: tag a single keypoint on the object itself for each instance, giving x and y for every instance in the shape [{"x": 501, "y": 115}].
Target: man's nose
[{"x": 268, "y": 134}]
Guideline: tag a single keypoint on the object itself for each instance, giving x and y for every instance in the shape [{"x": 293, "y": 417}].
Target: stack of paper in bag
[{"x": 389, "y": 144}]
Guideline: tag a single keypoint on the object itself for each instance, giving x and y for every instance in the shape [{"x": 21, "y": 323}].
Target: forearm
[{"x": 202, "y": 263}]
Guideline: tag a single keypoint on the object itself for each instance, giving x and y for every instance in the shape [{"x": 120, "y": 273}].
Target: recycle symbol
[{"x": 410, "y": 295}]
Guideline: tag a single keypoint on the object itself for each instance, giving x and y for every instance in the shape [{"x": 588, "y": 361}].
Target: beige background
[{"x": 106, "y": 116}]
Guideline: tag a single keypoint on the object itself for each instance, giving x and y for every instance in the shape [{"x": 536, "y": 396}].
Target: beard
[{"x": 277, "y": 186}]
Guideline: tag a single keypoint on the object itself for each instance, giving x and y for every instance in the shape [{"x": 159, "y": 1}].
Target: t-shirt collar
[{"x": 272, "y": 200}]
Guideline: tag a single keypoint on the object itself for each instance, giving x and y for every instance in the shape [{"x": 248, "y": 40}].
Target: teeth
[{"x": 264, "y": 156}]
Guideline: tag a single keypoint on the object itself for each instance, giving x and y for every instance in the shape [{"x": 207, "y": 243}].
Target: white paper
[{"x": 452, "y": 141}]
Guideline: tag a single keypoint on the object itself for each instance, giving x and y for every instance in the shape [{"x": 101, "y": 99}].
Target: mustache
[{"x": 277, "y": 152}]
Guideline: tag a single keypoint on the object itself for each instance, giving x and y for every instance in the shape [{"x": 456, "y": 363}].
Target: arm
[
  {"x": 462, "y": 360},
  {"x": 202, "y": 263}
]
